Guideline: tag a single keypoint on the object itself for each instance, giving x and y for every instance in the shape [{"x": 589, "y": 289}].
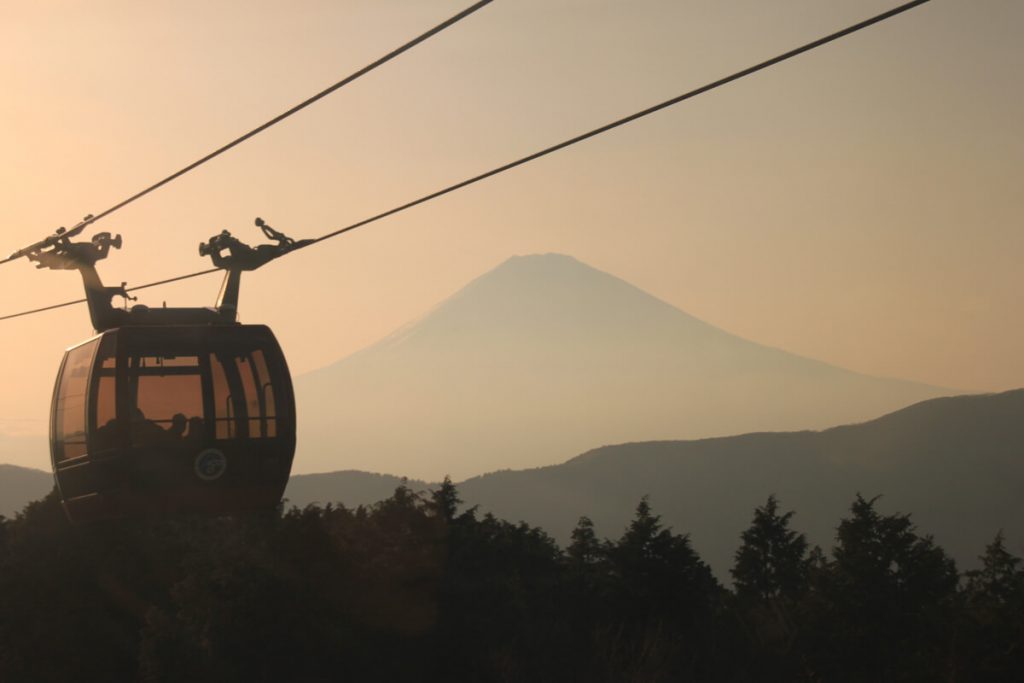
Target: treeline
[{"x": 418, "y": 588}]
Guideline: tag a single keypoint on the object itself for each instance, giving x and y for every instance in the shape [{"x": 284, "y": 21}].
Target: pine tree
[
  {"x": 994, "y": 624},
  {"x": 445, "y": 500},
  {"x": 771, "y": 575},
  {"x": 663, "y": 597},
  {"x": 585, "y": 550},
  {"x": 889, "y": 596},
  {"x": 1000, "y": 581},
  {"x": 772, "y": 562},
  {"x": 882, "y": 559},
  {"x": 659, "y": 573}
]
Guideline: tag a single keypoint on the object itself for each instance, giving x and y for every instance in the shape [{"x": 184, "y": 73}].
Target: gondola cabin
[
  {"x": 169, "y": 410},
  {"x": 156, "y": 420}
]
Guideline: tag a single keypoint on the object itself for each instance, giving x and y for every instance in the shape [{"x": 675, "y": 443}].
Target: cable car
[{"x": 169, "y": 410}]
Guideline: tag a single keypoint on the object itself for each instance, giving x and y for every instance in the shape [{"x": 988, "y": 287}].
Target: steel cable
[{"x": 561, "y": 145}]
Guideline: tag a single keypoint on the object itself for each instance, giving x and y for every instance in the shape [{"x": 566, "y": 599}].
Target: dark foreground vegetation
[{"x": 415, "y": 588}]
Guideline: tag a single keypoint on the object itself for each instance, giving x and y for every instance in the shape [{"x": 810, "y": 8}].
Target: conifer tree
[
  {"x": 994, "y": 622},
  {"x": 663, "y": 596},
  {"x": 888, "y": 596},
  {"x": 1000, "y": 581},
  {"x": 883, "y": 557},
  {"x": 445, "y": 500},
  {"x": 771, "y": 574},
  {"x": 772, "y": 562},
  {"x": 659, "y": 572},
  {"x": 585, "y": 550}
]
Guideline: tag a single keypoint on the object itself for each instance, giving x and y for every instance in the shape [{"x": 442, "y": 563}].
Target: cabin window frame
[
  {"x": 254, "y": 377},
  {"x": 59, "y": 412},
  {"x": 260, "y": 415}
]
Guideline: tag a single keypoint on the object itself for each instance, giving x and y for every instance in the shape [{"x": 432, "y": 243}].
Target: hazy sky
[{"x": 861, "y": 205}]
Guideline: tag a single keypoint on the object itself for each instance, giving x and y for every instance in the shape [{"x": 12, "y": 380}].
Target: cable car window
[
  {"x": 104, "y": 398},
  {"x": 167, "y": 393},
  {"x": 69, "y": 406},
  {"x": 252, "y": 396},
  {"x": 243, "y": 395},
  {"x": 106, "y": 392},
  {"x": 269, "y": 424},
  {"x": 223, "y": 408}
]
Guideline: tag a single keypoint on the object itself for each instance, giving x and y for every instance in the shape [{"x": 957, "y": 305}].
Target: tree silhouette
[
  {"x": 1000, "y": 581},
  {"x": 411, "y": 588},
  {"x": 772, "y": 561},
  {"x": 994, "y": 619},
  {"x": 586, "y": 559},
  {"x": 584, "y": 550},
  {"x": 770, "y": 576},
  {"x": 445, "y": 501},
  {"x": 664, "y": 595},
  {"x": 661, "y": 575},
  {"x": 889, "y": 595}
]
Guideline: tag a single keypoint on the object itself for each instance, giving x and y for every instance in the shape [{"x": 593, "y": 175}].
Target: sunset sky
[{"x": 861, "y": 205}]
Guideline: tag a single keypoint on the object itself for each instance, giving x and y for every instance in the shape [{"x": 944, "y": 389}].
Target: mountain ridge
[
  {"x": 404, "y": 332},
  {"x": 954, "y": 463},
  {"x": 19, "y": 486},
  {"x": 959, "y": 473},
  {"x": 545, "y": 355}
]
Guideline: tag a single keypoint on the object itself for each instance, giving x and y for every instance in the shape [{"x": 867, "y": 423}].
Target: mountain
[
  {"x": 351, "y": 487},
  {"x": 546, "y": 356},
  {"x": 25, "y": 450},
  {"x": 20, "y": 486},
  {"x": 956, "y": 464}
]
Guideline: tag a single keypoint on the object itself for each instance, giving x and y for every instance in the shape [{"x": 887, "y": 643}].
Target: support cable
[
  {"x": 562, "y": 145},
  {"x": 281, "y": 117},
  {"x": 632, "y": 117}
]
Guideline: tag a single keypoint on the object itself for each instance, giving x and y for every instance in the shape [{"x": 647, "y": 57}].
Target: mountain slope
[
  {"x": 545, "y": 356},
  {"x": 20, "y": 486},
  {"x": 25, "y": 450},
  {"x": 956, "y": 464},
  {"x": 351, "y": 488}
]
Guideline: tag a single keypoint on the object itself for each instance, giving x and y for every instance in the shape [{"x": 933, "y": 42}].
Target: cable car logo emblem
[{"x": 210, "y": 464}]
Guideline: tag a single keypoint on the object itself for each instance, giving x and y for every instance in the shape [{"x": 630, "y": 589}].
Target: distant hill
[
  {"x": 546, "y": 356},
  {"x": 956, "y": 464},
  {"x": 20, "y": 486},
  {"x": 23, "y": 450},
  {"x": 351, "y": 487}
]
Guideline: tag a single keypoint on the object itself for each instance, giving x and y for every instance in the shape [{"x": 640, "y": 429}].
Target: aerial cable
[
  {"x": 562, "y": 145},
  {"x": 158, "y": 283},
  {"x": 628, "y": 119},
  {"x": 277, "y": 119}
]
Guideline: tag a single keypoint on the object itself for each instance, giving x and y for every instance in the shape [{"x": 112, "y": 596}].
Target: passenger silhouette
[
  {"x": 106, "y": 436},
  {"x": 145, "y": 432},
  {"x": 195, "y": 429},
  {"x": 178, "y": 425}
]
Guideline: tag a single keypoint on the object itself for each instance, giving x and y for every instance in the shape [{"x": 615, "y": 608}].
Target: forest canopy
[{"x": 422, "y": 587}]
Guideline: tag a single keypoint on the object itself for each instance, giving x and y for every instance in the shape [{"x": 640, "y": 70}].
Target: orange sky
[{"x": 861, "y": 205}]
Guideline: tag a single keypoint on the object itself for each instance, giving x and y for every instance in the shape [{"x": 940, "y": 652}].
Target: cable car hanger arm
[
  {"x": 228, "y": 253},
  {"x": 241, "y": 257}
]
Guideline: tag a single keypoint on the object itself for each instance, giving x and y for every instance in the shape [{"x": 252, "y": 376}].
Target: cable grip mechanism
[
  {"x": 235, "y": 256},
  {"x": 232, "y": 254}
]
